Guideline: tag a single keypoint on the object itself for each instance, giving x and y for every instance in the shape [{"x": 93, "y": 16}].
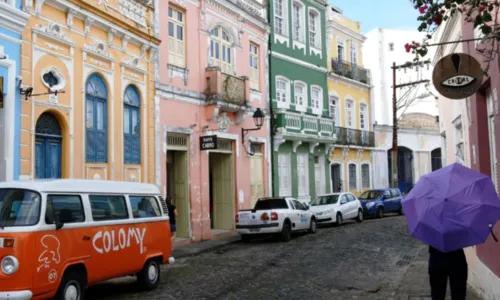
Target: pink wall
[{"x": 182, "y": 114}]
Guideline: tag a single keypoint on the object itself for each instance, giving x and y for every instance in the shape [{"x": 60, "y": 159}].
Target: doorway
[
  {"x": 177, "y": 187},
  {"x": 436, "y": 161},
  {"x": 222, "y": 196},
  {"x": 336, "y": 178},
  {"x": 319, "y": 174},
  {"x": 48, "y": 147},
  {"x": 256, "y": 174}
]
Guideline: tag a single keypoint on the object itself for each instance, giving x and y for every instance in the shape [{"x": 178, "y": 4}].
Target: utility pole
[{"x": 395, "y": 86}]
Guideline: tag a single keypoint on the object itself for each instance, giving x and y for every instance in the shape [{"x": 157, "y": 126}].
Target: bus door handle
[{"x": 86, "y": 238}]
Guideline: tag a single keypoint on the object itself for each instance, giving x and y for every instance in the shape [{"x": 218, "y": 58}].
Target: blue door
[{"x": 48, "y": 149}]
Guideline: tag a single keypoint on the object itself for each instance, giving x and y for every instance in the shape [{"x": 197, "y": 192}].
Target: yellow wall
[
  {"x": 65, "y": 49},
  {"x": 347, "y": 156}
]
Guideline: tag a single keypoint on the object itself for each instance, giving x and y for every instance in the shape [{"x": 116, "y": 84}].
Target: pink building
[{"x": 213, "y": 70}]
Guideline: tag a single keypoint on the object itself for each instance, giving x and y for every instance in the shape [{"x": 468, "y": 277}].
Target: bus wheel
[
  {"x": 72, "y": 287},
  {"x": 149, "y": 277}
]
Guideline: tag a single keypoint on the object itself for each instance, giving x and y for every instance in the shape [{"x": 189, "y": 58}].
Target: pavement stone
[{"x": 372, "y": 260}]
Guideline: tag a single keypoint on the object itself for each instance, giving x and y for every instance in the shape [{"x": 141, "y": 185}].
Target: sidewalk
[
  {"x": 415, "y": 282},
  {"x": 205, "y": 246}
]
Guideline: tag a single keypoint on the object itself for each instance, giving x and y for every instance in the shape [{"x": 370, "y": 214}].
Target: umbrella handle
[{"x": 493, "y": 234}]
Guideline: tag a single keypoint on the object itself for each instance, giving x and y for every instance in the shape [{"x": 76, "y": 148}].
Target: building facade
[
  {"x": 350, "y": 105},
  {"x": 419, "y": 150},
  {"x": 12, "y": 23},
  {"x": 213, "y": 77},
  {"x": 99, "y": 57},
  {"x": 302, "y": 129},
  {"x": 483, "y": 140}
]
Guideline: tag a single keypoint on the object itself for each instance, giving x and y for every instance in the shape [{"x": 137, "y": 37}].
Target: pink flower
[
  {"x": 482, "y": 8},
  {"x": 442, "y": 11},
  {"x": 408, "y": 47},
  {"x": 423, "y": 8}
]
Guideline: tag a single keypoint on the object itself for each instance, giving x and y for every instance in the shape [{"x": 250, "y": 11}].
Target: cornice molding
[
  {"x": 239, "y": 13},
  {"x": 12, "y": 19},
  {"x": 298, "y": 62},
  {"x": 336, "y": 26},
  {"x": 349, "y": 81}
]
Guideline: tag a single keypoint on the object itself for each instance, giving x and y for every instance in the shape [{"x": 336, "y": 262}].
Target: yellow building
[
  {"x": 99, "y": 56},
  {"x": 349, "y": 104}
]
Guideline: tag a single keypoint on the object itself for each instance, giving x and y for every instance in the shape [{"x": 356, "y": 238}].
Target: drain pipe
[{"x": 271, "y": 119}]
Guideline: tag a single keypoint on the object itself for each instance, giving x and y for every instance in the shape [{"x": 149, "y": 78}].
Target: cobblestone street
[{"x": 356, "y": 261}]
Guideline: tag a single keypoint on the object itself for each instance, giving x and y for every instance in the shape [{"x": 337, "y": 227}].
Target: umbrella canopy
[{"x": 452, "y": 208}]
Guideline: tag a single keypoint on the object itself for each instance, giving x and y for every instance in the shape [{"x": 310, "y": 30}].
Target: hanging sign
[
  {"x": 457, "y": 76},
  {"x": 208, "y": 142},
  {"x": 1, "y": 92}
]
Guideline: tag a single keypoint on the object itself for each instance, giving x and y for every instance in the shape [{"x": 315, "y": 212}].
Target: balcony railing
[
  {"x": 351, "y": 71},
  {"x": 305, "y": 124},
  {"x": 226, "y": 88},
  {"x": 354, "y": 137}
]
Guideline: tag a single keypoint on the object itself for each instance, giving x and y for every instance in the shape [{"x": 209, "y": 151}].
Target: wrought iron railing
[
  {"x": 354, "y": 137},
  {"x": 351, "y": 71}
]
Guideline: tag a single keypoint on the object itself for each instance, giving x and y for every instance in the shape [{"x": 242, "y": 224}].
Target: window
[
  {"x": 58, "y": 203},
  {"x": 349, "y": 114},
  {"x": 132, "y": 126},
  {"x": 106, "y": 208},
  {"x": 298, "y": 22},
  {"x": 144, "y": 207},
  {"x": 19, "y": 207},
  {"x": 352, "y": 177},
  {"x": 284, "y": 174},
  {"x": 316, "y": 100},
  {"x": 351, "y": 197},
  {"x": 300, "y": 96},
  {"x": 254, "y": 66},
  {"x": 354, "y": 55},
  {"x": 334, "y": 110},
  {"x": 365, "y": 176},
  {"x": 395, "y": 193},
  {"x": 303, "y": 173},
  {"x": 282, "y": 92},
  {"x": 362, "y": 117},
  {"x": 459, "y": 139},
  {"x": 340, "y": 49},
  {"x": 314, "y": 37},
  {"x": 176, "y": 38},
  {"x": 391, "y": 46},
  {"x": 221, "y": 50},
  {"x": 492, "y": 138},
  {"x": 96, "y": 139},
  {"x": 280, "y": 17}
]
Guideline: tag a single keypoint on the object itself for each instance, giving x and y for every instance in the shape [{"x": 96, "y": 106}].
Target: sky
[{"x": 389, "y": 14}]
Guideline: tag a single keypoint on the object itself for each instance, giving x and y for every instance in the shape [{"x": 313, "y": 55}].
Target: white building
[{"x": 382, "y": 48}]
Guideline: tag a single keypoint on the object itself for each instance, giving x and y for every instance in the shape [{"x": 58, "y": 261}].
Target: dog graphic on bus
[{"x": 51, "y": 253}]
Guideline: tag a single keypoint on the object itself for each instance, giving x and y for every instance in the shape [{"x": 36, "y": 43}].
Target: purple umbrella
[{"x": 452, "y": 208}]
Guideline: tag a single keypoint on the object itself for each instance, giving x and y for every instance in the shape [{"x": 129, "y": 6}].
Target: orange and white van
[{"x": 59, "y": 236}]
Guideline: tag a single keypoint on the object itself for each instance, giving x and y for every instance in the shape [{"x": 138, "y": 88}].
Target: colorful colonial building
[
  {"x": 213, "y": 77},
  {"x": 12, "y": 23},
  {"x": 349, "y": 104},
  {"x": 99, "y": 57},
  {"x": 302, "y": 129}
]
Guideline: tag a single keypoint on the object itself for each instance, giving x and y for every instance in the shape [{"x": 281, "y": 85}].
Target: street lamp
[{"x": 258, "y": 118}]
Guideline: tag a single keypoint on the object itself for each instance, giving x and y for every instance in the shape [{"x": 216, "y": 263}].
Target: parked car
[
  {"x": 336, "y": 207},
  {"x": 407, "y": 191},
  {"x": 275, "y": 215},
  {"x": 378, "y": 202}
]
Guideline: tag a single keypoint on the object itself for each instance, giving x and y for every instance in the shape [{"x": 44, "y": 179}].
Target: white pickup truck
[{"x": 275, "y": 215}]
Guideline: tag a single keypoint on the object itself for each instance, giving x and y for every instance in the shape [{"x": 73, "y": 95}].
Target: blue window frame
[
  {"x": 96, "y": 120},
  {"x": 132, "y": 126}
]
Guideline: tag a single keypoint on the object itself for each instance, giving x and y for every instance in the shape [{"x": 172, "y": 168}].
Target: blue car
[{"x": 378, "y": 202}]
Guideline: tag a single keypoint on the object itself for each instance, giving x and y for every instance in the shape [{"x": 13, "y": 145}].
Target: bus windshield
[{"x": 19, "y": 207}]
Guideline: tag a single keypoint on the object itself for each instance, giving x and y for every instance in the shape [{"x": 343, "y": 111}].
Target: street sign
[
  {"x": 208, "y": 142},
  {"x": 457, "y": 76},
  {"x": 1, "y": 92}
]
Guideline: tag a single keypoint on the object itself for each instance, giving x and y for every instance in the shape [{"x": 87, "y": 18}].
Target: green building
[{"x": 301, "y": 127}]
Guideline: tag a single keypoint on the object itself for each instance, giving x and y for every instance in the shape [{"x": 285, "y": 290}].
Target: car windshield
[
  {"x": 325, "y": 200},
  {"x": 263, "y": 204},
  {"x": 19, "y": 207},
  {"x": 368, "y": 195}
]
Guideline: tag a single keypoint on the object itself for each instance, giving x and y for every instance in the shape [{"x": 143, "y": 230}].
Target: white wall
[{"x": 378, "y": 57}]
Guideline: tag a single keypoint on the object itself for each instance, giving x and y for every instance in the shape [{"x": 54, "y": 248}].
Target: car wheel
[
  {"x": 339, "y": 219},
  {"x": 72, "y": 287},
  {"x": 359, "y": 218},
  {"x": 245, "y": 238},
  {"x": 149, "y": 277},
  {"x": 313, "y": 226},
  {"x": 380, "y": 212},
  {"x": 286, "y": 232}
]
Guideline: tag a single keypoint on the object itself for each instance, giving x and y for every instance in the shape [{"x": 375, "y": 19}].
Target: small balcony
[
  {"x": 354, "y": 137},
  {"x": 315, "y": 127},
  {"x": 351, "y": 71},
  {"x": 229, "y": 91}
]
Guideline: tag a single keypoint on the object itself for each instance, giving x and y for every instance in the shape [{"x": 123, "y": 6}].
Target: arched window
[
  {"x": 221, "y": 50},
  {"x": 96, "y": 120},
  {"x": 132, "y": 126}
]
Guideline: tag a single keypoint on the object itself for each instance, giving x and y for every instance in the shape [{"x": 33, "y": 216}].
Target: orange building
[{"x": 100, "y": 58}]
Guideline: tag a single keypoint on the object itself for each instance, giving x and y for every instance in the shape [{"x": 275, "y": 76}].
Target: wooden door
[
  {"x": 256, "y": 178},
  {"x": 180, "y": 196},
  {"x": 223, "y": 191}
]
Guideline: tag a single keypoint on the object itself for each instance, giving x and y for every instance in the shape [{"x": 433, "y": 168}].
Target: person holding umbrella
[{"x": 450, "y": 209}]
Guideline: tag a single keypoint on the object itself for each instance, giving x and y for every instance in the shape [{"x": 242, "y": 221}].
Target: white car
[
  {"x": 275, "y": 215},
  {"x": 337, "y": 207}
]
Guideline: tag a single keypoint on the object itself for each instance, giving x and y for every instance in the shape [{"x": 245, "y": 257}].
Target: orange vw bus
[{"x": 59, "y": 236}]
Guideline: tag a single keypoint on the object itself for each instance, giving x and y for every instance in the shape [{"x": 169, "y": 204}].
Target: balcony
[
  {"x": 354, "y": 137},
  {"x": 230, "y": 92},
  {"x": 307, "y": 126},
  {"x": 351, "y": 71}
]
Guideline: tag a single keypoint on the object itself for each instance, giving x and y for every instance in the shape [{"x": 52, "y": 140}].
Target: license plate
[
  {"x": 244, "y": 217},
  {"x": 254, "y": 230},
  {"x": 255, "y": 222}
]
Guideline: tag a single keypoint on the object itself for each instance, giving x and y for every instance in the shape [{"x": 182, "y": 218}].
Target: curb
[{"x": 184, "y": 254}]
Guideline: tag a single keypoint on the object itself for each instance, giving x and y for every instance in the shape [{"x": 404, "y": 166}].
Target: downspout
[{"x": 271, "y": 120}]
